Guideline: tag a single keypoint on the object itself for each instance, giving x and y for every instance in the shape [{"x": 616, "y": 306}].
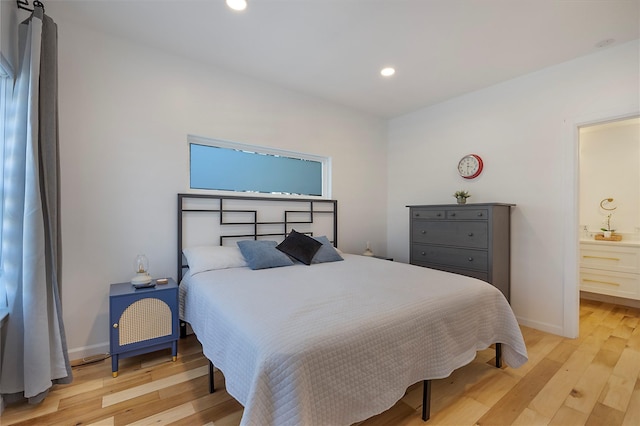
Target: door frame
[{"x": 571, "y": 288}]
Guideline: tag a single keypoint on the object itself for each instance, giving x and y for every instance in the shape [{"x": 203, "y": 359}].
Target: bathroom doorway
[{"x": 609, "y": 200}]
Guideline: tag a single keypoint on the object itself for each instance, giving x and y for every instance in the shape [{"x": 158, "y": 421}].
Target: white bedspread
[{"x": 336, "y": 343}]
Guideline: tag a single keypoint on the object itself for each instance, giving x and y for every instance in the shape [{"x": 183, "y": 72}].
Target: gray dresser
[{"x": 468, "y": 239}]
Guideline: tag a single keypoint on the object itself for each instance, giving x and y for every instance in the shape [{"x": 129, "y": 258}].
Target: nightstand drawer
[
  {"x": 464, "y": 234},
  {"x": 455, "y": 257}
]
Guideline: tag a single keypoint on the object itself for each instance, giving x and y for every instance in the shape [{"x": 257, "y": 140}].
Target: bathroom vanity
[{"x": 611, "y": 268}]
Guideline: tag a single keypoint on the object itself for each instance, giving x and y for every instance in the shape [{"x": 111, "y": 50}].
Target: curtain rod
[{"x": 22, "y": 4}]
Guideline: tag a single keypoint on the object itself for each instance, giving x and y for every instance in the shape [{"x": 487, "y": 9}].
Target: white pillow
[{"x": 207, "y": 258}]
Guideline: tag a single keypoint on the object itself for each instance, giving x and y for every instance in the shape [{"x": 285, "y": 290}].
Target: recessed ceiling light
[
  {"x": 387, "y": 72},
  {"x": 237, "y": 4}
]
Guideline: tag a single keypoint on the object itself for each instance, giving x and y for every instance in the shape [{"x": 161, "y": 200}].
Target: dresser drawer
[
  {"x": 481, "y": 275},
  {"x": 612, "y": 283},
  {"x": 455, "y": 257},
  {"x": 621, "y": 259},
  {"x": 465, "y": 234},
  {"x": 467, "y": 214},
  {"x": 429, "y": 214}
]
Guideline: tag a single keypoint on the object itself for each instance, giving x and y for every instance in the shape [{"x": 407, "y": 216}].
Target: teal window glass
[{"x": 247, "y": 170}]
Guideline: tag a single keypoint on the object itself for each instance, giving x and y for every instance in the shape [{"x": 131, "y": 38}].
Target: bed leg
[
  {"x": 183, "y": 329},
  {"x": 498, "y": 355},
  {"x": 426, "y": 400},
  {"x": 212, "y": 388}
]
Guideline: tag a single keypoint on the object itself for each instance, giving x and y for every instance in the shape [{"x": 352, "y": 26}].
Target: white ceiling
[{"x": 334, "y": 49}]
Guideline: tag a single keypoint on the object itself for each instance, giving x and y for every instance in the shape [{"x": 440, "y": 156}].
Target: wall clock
[{"x": 470, "y": 166}]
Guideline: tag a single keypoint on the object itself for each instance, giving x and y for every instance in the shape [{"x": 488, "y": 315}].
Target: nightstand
[{"x": 142, "y": 320}]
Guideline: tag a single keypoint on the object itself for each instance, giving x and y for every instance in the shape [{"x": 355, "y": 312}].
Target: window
[{"x": 231, "y": 166}]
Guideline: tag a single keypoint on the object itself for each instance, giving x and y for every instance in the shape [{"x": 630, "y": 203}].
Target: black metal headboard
[{"x": 254, "y": 217}]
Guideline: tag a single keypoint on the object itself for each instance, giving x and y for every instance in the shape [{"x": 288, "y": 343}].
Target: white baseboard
[
  {"x": 554, "y": 329},
  {"x": 76, "y": 354},
  {"x": 542, "y": 326}
]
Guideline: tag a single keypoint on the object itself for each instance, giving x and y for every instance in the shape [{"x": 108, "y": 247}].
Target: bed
[{"x": 336, "y": 342}]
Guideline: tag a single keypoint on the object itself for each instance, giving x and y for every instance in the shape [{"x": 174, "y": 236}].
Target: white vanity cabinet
[{"x": 610, "y": 268}]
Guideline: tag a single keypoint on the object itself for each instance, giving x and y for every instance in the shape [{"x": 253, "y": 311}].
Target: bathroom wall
[{"x": 610, "y": 168}]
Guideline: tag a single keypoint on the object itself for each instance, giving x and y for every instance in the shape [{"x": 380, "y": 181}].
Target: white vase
[{"x": 607, "y": 234}]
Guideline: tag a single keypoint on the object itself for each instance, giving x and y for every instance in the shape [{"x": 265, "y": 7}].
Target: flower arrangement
[
  {"x": 462, "y": 196},
  {"x": 608, "y": 228}
]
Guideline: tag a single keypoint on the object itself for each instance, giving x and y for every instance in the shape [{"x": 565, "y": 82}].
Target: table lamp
[{"x": 141, "y": 266}]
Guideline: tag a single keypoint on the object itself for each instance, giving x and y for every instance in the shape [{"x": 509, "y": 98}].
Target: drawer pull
[
  {"x": 115, "y": 325},
  {"x": 453, "y": 214},
  {"x": 470, "y": 259},
  {"x": 417, "y": 214},
  {"x": 601, "y": 282},
  {"x": 423, "y": 253},
  {"x": 423, "y": 232},
  {"x": 601, "y": 257},
  {"x": 471, "y": 234},
  {"x": 439, "y": 214},
  {"x": 479, "y": 214}
]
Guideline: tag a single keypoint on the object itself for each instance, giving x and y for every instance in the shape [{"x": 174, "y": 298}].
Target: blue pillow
[
  {"x": 262, "y": 254},
  {"x": 327, "y": 252}
]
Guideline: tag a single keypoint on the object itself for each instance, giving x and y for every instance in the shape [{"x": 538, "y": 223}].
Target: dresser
[
  {"x": 468, "y": 239},
  {"x": 611, "y": 268}
]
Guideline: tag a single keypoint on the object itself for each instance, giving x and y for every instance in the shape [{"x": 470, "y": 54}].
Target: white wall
[
  {"x": 610, "y": 168},
  {"x": 523, "y": 130},
  {"x": 125, "y": 112}
]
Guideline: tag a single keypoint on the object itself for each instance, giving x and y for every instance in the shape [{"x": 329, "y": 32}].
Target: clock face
[{"x": 470, "y": 166}]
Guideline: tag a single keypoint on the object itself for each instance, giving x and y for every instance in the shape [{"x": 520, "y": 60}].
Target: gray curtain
[{"x": 35, "y": 350}]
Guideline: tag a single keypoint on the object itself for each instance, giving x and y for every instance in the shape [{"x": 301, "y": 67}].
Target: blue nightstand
[{"x": 142, "y": 320}]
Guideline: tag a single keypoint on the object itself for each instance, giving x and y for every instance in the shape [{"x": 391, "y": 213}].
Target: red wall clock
[{"x": 470, "y": 166}]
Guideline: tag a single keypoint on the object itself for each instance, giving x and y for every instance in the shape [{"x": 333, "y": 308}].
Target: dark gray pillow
[
  {"x": 299, "y": 246},
  {"x": 262, "y": 254},
  {"x": 327, "y": 252}
]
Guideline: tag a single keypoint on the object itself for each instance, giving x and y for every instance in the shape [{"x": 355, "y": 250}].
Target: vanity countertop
[{"x": 623, "y": 242}]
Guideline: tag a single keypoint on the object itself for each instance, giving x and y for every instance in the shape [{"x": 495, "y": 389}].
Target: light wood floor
[{"x": 592, "y": 380}]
